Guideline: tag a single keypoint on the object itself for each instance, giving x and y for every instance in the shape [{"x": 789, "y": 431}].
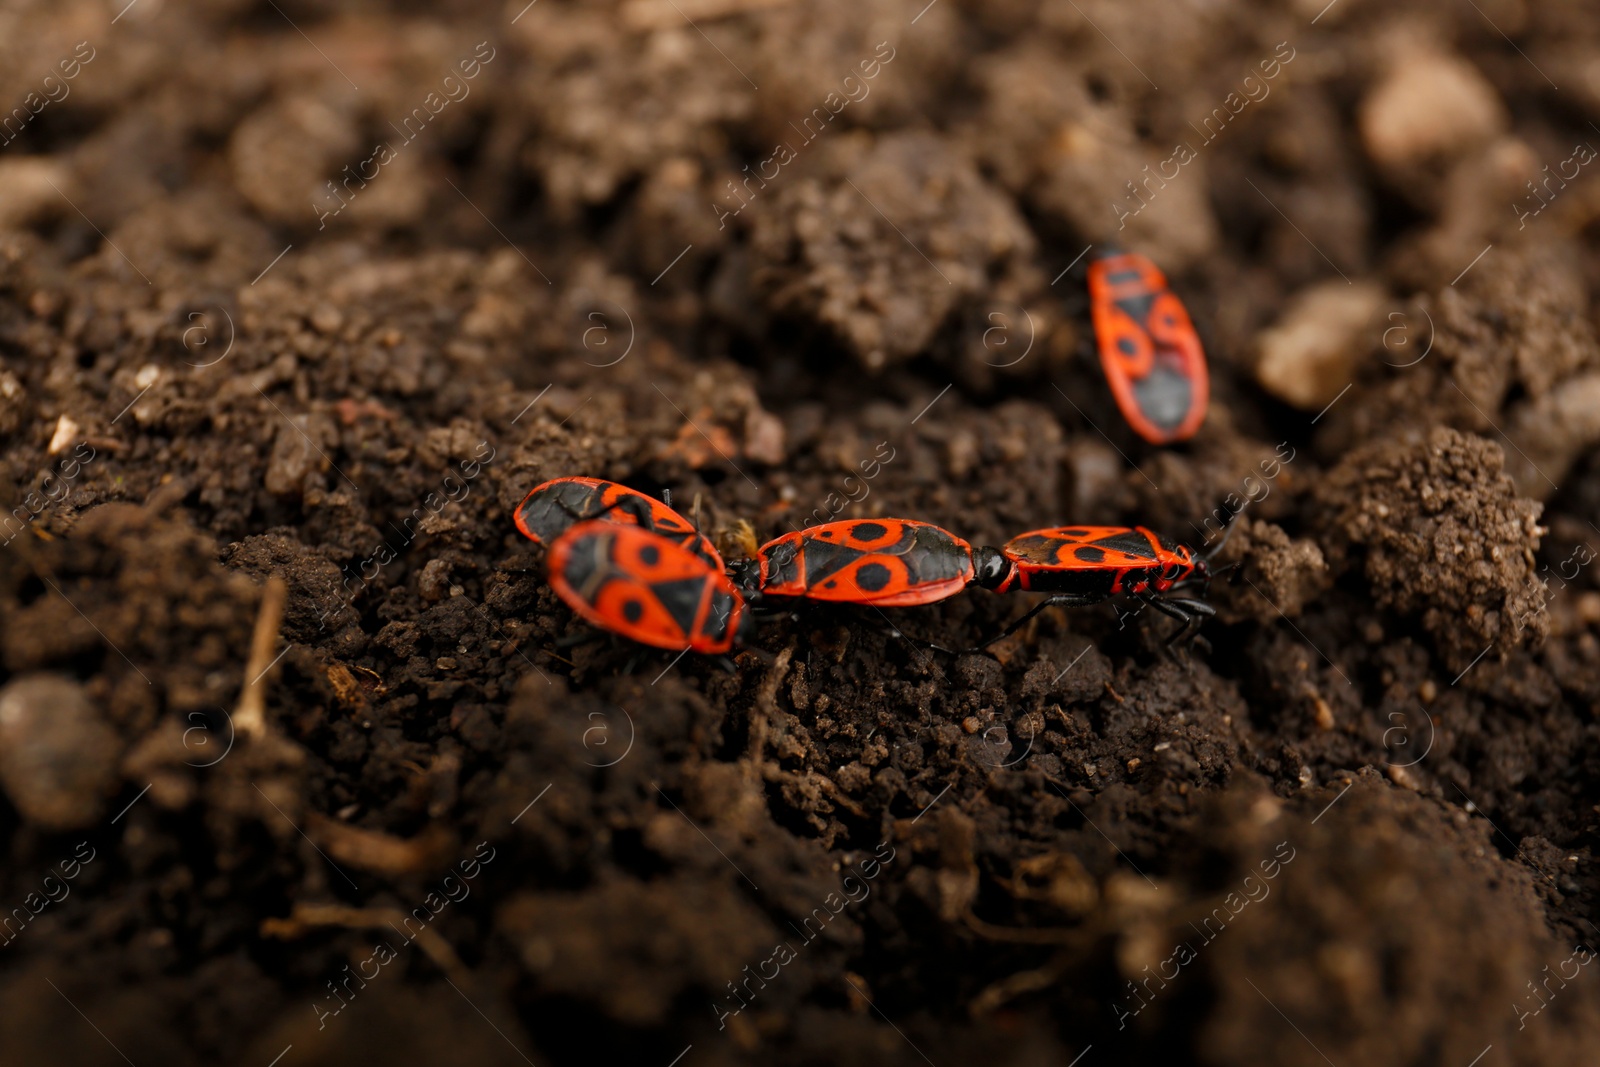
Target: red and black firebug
[
  {"x": 1082, "y": 565},
  {"x": 1149, "y": 350},
  {"x": 553, "y": 507},
  {"x": 644, "y": 586},
  {"x": 882, "y": 562}
]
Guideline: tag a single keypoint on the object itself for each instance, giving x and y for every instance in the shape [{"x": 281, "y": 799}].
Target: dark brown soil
[{"x": 290, "y": 304}]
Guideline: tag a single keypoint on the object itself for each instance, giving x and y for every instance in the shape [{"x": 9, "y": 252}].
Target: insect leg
[
  {"x": 1187, "y": 610},
  {"x": 1070, "y": 600},
  {"x": 1199, "y": 612},
  {"x": 581, "y": 637},
  {"x": 1190, "y": 605}
]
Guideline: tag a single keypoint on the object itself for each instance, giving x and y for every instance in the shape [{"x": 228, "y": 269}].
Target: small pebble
[
  {"x": 1402, "y": 777},
  {"x": 1312, "y": 352},
  {"x": 326, "y": 319},
  {"x": 434, "y": 581},
  {"x": 58, "y": 757},
  {"x": 28, "y": 184},
  {"x": 1589, "y": 608},
  {"x": 1428, "y": 105},
  {"x": 1266, "y": 809},
  {"x": 764, "y": 437},
  {"x": 294, "y": 454},
  {"x": 66, "y": 433},
  {"x": 13, "y": 403}
]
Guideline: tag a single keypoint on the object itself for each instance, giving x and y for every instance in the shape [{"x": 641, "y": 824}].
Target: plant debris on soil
[{"x": 298, "y": 300}]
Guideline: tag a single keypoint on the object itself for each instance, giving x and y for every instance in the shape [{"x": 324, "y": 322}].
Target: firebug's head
[
  {"x": 990, "y": 567},
  {"x": 745, "y": 574}
]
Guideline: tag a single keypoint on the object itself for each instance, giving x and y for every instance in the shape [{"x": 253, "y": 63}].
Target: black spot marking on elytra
[
  {"x": 1137, "y": 308},
  {"x": 584, "y": 560},
  {"x": 681, "y": 599},
  {"x": 868, "y": 531},
  {"x": 783, "y": 562},
  {"x": 1126, "y": 346},
  {"x": 873, "y": 576},
  {"x": 1129, "y": 542},
  {"x": 650, "y": 555},
  {"x": 632, "y": 610},
  {"x": 1075, "y": 532},
  {"x": 824, "y": 560},
  {"x": 1089, "y": 554}
]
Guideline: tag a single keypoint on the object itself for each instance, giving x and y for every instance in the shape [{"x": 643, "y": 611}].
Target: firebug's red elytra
[
  {"x": 643, "y": 586},
  {"x": 1149, "y": 350},
  {"x": 553, "y": 507},
  {"x": 883, "y": 562}
]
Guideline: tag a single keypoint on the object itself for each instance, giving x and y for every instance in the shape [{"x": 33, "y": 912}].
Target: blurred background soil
[{"x": 313, "y": 293}]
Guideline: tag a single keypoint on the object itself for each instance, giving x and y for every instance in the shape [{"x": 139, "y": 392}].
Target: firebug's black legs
[
  {"x": 1169, "y": 608},
  {"x": 582, "y": 637},
  {"x": 1211, "y": 555},
  {"x": 1068, "y": 600},
  {"x": 1190, "y": 605},
  {"x": 1198, "y": 612},
  {"x": 1187, "y": 610}
]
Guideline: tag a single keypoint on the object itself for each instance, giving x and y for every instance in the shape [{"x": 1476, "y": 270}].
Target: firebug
[
  {"x": 883, "y": 562},
  {"x": 645, "y": 586},
  {"x": 553, "y": 507},
  {"x": 1083, "y": 565},
  {"x": 1149, "y": 350}
]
